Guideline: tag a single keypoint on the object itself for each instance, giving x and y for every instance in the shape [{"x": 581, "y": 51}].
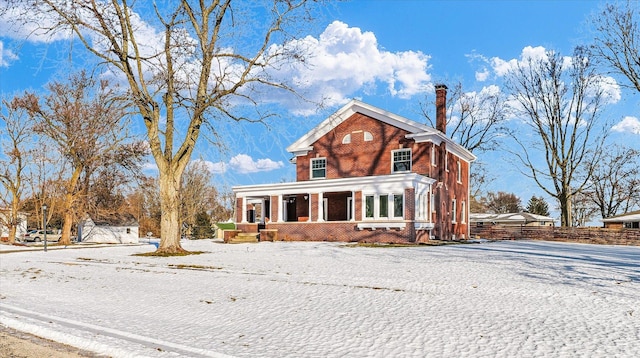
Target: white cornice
[
  {"x": 382, "y": 183},
  {"x": 419, "y": 132}
]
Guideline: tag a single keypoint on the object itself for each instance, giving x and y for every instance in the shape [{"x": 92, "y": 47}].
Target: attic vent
[
  {"x": 368, "y": 137},
  {"x": 346, "y": 139}
]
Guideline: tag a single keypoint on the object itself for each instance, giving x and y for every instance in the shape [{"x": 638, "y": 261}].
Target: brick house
[{"x": 368, "y": 175}]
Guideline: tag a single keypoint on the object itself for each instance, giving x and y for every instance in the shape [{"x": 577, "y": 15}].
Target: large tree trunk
[
  {"x": 170, "y": 204},
  {"x": 67, "y": 219},
  {"x": 566, "y": 219},
  {"x": 12, "y": 233}
]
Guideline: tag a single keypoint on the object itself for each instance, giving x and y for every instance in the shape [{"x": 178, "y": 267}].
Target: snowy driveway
[{"x": 505, "y": 299}]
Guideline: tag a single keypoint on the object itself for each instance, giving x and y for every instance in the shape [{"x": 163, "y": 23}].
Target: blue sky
[{"x": 396, "y": 51}]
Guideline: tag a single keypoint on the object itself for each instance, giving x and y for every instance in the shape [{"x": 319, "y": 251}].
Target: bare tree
[
  {"x": 476, "y": 121},
  {"x": 85, "y": 121},
  {"x": 502, "y": 203},
  {"x": 560, "y": 101},
  {"x": 211, "y": 58},
  {"x": 615, "y": 184},
  {"x": 197, "y": 192},
  {"x": 582, "y": 208},
  {"x": 15, "y": 156},
  {"x": 617, "y": 39}
]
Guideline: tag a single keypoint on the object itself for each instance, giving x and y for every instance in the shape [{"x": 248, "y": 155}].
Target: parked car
[{"x": 38, "y": 236}]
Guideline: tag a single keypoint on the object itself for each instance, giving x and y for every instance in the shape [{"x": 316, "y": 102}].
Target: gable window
[
  {"x": 401, "y": 160},
  {"x": 318, "y": 168},
  {"x": 459, "y": 172},
  {"x": 346, "y": 139},
  {"x": 368, "y": 137}
]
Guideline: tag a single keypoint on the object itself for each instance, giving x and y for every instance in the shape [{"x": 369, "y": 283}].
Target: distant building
[
  {"x": 629, "y": 220},
  {"x": 365, "y": 174},
  {"x": 112, "y": 230},
  {"x": 511, "y": 219},
  {"x": 20, "y": 230}
]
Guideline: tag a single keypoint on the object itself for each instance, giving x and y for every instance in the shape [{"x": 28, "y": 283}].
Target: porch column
[
  {"x": 309, "y": 207},
  {"x": 280, "y": 204},
  {"x": 353, "y": 206},
  {"x": 244, "y": 209},
  {"x": 320, "y": 207}
]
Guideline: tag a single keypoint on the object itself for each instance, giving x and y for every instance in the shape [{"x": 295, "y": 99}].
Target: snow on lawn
[{"x": 322, "y": 299}]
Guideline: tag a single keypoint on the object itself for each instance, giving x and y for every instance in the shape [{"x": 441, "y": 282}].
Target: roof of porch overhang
[{"x": 369, "y": 184}]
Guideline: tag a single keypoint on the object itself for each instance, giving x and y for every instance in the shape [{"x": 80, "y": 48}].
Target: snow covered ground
[{"x": 319, "y": 299}]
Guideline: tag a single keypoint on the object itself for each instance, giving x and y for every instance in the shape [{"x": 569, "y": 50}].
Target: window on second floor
[
  {"x": 401, "y": 161},
  {"x": 318, "y": 168}
]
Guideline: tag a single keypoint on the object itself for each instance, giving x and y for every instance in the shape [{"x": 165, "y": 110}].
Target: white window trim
[
  {"x": 410, "y": 160},
  {"x": 433, "y": 155},
  {"x": 446, "y": 161},
  {"x": 463, "y": 212},
  {"x": 376, "y": 207},
  {"x": 459, "y": 172},
  {"x": 454, "y": 211},
  {"x": 311, "y": 168}
]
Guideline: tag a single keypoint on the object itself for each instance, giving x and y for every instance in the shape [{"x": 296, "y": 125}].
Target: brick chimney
[{"x": 441, "y": 108}]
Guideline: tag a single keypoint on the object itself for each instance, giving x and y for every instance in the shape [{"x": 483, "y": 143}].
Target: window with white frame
[
  {"x": 368, "y": 137},
  {"x": 383, "y": 207},
  {"x": 398, "y": 205},
  {"x": 446, "y": 162},
  {"x": 318, "y": 168},
  {"x": 346, "y": 139},
  {"x": 369, "y": 206},
  {"x": 401, "y": 160},
  {"x": 454, "y": 214},
  {"x": 463, "y": 212},
  {"x": 433, "y": 155},
  {"x": 459, "y": 172},
  {"x": 433, "y": 205}
]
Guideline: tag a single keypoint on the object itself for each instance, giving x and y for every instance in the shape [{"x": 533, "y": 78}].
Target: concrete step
[{"x": 244, "y": 237}]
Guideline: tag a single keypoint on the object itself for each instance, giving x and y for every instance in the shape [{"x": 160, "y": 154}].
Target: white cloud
[
  {"x": 628, "y": 124},
  {"x": 6, "y": 56},
  {"x": 244, "y": 164},
  {"x": 483, "y": 75},
  {"x": 343, "y": 60},
  {"x": 149, "y": 167}
]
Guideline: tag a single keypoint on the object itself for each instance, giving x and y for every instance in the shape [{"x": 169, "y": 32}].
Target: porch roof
[{"x": 369, "y": 184}]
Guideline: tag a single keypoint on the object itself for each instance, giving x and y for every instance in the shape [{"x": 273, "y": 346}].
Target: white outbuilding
[{"x": 111, "y": 230}]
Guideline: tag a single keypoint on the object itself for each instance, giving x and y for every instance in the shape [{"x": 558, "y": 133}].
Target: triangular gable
[{"x": 419, "y": 132}]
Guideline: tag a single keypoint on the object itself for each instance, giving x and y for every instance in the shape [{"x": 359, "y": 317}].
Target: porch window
[
  {"x": 401, "y": 160},
  {"x": 368, "y": 202},
  {"x": 318, "y": 168},
  {"x": 384, "y": 206},
  {"x": 398, "y": 205}
]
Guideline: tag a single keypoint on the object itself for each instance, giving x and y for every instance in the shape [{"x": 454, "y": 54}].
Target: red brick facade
[{"x": 327, "y": 202}]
